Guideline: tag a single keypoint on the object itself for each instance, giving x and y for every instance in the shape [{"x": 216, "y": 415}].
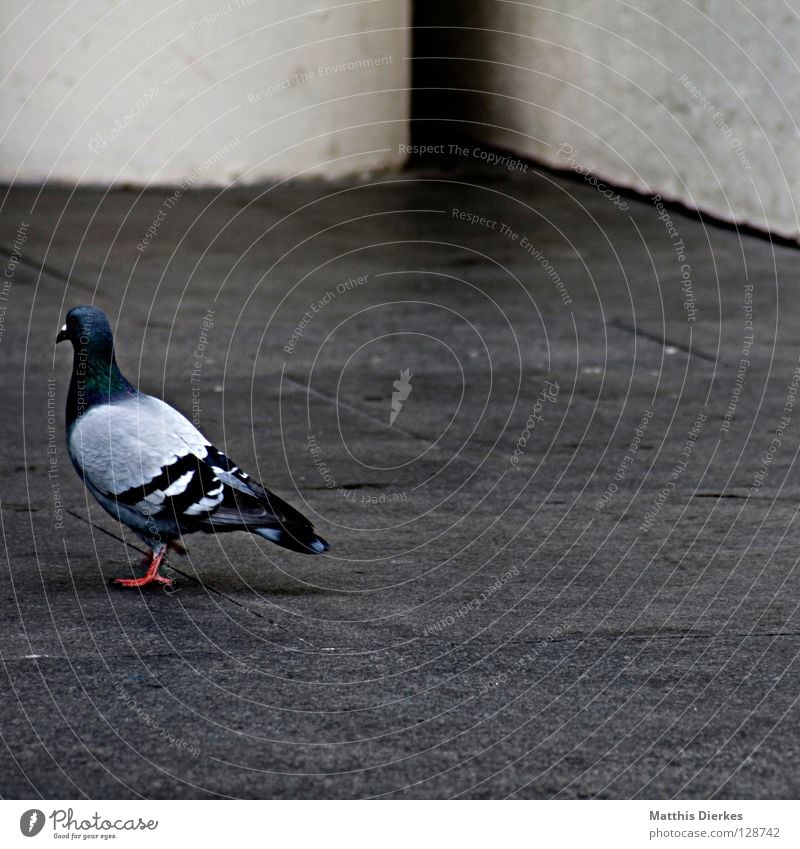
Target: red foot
[
  {"x": 152, "y": 576},
  {"x": 142, "y": 582}
]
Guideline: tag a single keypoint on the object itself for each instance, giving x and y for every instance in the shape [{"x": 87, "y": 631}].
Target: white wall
[
  {"x": 698, "y": 101},
  {"x": 202, "y": 90},
  {"x": 695, "y": 100}
]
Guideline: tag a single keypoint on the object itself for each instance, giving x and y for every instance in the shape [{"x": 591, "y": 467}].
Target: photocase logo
[
  {"x": 31, "y": 822},
  {"x": 402, "y": 391}
]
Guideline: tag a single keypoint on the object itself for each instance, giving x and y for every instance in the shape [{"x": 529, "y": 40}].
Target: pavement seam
[{"x": 662, "y": 340}]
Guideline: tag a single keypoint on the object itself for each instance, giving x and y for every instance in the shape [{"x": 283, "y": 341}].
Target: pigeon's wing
[
  {"x": 143, "y": 453},
  {"x": 247, "y": 501},
  {"x": 248, "y": 504}
]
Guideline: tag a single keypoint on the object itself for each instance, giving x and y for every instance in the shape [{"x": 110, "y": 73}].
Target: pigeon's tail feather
[
  {"x": 295, "y": 538},
  {"x": 264, "y": 513},
  {"x": 291, "y": 530}
]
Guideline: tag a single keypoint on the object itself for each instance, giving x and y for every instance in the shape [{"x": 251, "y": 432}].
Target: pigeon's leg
[
  {"x": 172, "y": 545},
  {"x": 152, "y": 576}
]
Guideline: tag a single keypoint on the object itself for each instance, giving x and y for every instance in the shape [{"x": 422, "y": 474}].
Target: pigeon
[{"x": 151, "y": 468}]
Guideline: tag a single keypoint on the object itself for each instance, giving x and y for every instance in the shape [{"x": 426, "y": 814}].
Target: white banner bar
[{"x": 400, "y": 825}]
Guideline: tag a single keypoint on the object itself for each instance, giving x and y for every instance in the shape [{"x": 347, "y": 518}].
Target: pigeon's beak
[{"x": 63, "y": 335}]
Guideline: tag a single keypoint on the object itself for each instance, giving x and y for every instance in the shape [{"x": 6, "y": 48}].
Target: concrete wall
[
  {"x": 697, "y": 100},
  {"x": 205, "y": 91}
]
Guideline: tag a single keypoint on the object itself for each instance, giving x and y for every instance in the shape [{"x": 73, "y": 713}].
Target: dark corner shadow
[{"x": 447, "y": 165}]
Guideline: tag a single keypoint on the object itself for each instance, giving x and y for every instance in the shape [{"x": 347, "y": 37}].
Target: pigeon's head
[{"x": 86, "y": 327}]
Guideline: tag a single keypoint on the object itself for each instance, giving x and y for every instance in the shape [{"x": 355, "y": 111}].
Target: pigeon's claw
[
  {"x": 151, "y": 577},
  {"x": 142, "y": 582}
]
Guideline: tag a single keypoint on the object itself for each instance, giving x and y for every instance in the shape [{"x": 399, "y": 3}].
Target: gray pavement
[{"x": 610, "y": 612}]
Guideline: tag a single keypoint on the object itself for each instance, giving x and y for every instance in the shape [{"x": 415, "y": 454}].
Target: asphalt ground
[{"x": 566, "y": 569}]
